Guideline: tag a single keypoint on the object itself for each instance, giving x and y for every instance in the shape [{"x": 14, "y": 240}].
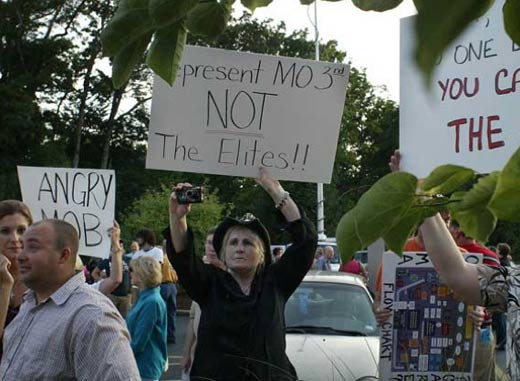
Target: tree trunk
[
  {"x": 116, "y": 101},
  {"x": 82, "y": 107}
]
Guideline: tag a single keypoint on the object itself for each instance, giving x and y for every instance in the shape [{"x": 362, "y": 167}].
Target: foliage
[
  {"x": 392, "y": 208},
  {"x": 438, "y": 23},
  {"x": 151, "y": 211}
]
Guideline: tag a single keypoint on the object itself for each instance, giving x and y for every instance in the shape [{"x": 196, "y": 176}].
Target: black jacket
[{"x": 243, "y": 337}]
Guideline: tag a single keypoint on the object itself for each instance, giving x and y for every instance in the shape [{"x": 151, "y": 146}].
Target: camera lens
[{"x": 189, "y": 193}]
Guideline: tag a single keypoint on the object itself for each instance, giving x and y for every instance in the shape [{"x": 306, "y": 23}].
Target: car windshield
[{"x": 333, "y": 308}]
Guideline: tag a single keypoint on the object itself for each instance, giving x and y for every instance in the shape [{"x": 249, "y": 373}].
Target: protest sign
[
  {"x": 230, "y": 112},
  {"x": 470, "y": 115},
  {"x": 429, "y": 335},
  {"x": 83, "y": 197}
]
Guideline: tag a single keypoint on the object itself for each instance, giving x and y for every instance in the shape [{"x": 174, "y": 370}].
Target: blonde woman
[
  {"x": 147, "y": 319},
  {"x": 241, "y": 335}
]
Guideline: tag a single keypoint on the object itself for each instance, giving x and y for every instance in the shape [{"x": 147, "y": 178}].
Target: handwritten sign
[
  {"x": 83, "y": 197},
  {"x": 428, "y": 336},
  {"x": 470, "y": 115},
  {"x": 230, "y": 113}
]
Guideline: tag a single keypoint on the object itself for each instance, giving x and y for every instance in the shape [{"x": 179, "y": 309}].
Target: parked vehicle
[{"x": 331, "y": 330}]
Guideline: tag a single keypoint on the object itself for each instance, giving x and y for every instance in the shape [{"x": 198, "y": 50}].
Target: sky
[{"x": 370, "y": 39}]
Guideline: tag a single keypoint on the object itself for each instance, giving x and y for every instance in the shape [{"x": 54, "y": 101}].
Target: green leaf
[
  {"x": 166, "y": 12},
  {"x": 209, "y": 19},
  {"x": 376, "y": 212},
  {"x": 446, "y": 179},
  {"x": 477, "y": 223},
  {"x": 511, "y": 21},
  {"x": 124, "y": 62},
  {"x": 418, "y": 4},
  {"x": 306, "y": 2},
  {"x": 439, "y": 23},
  {"x": 253, "y": 4},
  {"x": 129, "y": 24},
  {"x": 376, "y": 5},
  {"x": 165, "y": 54},
  {"x": 505, "y": 201},
  {"x": 396, "y": 237},
  {"x": 481, "y": 193}
]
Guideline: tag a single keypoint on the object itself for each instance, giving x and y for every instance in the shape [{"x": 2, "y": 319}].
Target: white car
[{"x": 331, "y": 331}]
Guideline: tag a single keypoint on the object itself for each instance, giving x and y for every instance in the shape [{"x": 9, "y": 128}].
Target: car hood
[{"x": 329, "y": 357}]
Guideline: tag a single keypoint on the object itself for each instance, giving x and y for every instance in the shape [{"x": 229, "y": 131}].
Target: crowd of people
[{"x": 113, "y": 319}]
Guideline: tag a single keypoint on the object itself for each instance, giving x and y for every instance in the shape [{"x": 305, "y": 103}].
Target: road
[{"x": 175, "y": 350}]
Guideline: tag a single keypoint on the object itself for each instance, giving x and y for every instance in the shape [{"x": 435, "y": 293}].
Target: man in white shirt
[{"x": 146, "y": 239}]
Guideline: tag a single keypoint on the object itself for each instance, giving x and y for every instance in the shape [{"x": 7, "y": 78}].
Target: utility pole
[{"x": 321, "y": 205}]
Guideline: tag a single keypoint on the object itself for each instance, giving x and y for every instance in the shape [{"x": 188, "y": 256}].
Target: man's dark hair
[
  {"x": 503, "y": 249},
  {"x": 147, "y": 235}
]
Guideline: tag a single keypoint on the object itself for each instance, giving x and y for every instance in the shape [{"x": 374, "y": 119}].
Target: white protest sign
[
  {"x": 230, "y": 112},
  {"x": 429, "y": 335},
  {"x": 83, "y": 197},
  {"x": 470, "y": 117}
]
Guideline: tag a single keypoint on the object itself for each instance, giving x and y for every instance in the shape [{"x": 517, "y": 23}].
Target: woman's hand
[
  {"x": 270, "y": 185},
  {"x": 395, "y": 161},
  {"x": 477, "y": 315},
  {"x": 115, "y": 236},
  {"x": 5, "y": 276},
  {"x": 185, "y": 363},
  {"x": 381, "y": 314},
  {"x": 179, "y": 211}
]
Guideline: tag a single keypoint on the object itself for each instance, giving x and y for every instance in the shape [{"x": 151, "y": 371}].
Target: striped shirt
[{"x": 75, "y": 334}]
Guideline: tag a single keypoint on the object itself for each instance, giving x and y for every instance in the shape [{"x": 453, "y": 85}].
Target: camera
[{"x": 190, "y": 195}]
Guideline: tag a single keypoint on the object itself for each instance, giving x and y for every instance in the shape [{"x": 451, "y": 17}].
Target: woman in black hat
[{"x": 242, "y": 329}]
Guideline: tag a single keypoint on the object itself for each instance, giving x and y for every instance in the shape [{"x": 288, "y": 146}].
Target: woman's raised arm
[
  {"x": 282, "y": 199},
  {"x": 178, "y": 223},
  {"x": 461, "y": 276}
]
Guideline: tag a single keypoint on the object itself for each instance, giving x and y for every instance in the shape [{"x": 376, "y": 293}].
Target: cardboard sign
[
  {"x": 470, "y": 115},
  {"x": 85, "y": 198},
  {"x": 429, "y": 335},
  {"x": 230, "y": 113}
]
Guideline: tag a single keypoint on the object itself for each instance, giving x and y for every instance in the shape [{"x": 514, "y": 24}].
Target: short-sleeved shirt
[
  {"x": 154, "y": 252},
  {"x": 75, "y": 334},
  {"x": 500, "y": 291}
]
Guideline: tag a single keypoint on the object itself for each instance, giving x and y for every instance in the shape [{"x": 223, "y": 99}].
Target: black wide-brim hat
[{"x": 249, "y": 222}]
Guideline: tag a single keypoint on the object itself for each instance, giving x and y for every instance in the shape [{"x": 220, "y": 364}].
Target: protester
[
  {"x": 147, "y": 240},
  {"x": 15, "y": 218},
  {"x": 323, "y": 262},
  {"x": 499, "y": 318},
  {"x": 147, "y": 319},
  {"x": 497, "y": 288},
  {"x": 355, "y": 267},
  {"x": 117, "y": 280},
  {"x": 277, "y": 253},
  {"x": 190, "y": 342},
  {"x": 134, "y": 248},
  {"x": 65, "y": 330},
  {"x": 242, "y": 329},
  {"x": 317, "y": 254},
  {"x": 169, "y": 295},
  {"x": 484, "y": 369}
]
